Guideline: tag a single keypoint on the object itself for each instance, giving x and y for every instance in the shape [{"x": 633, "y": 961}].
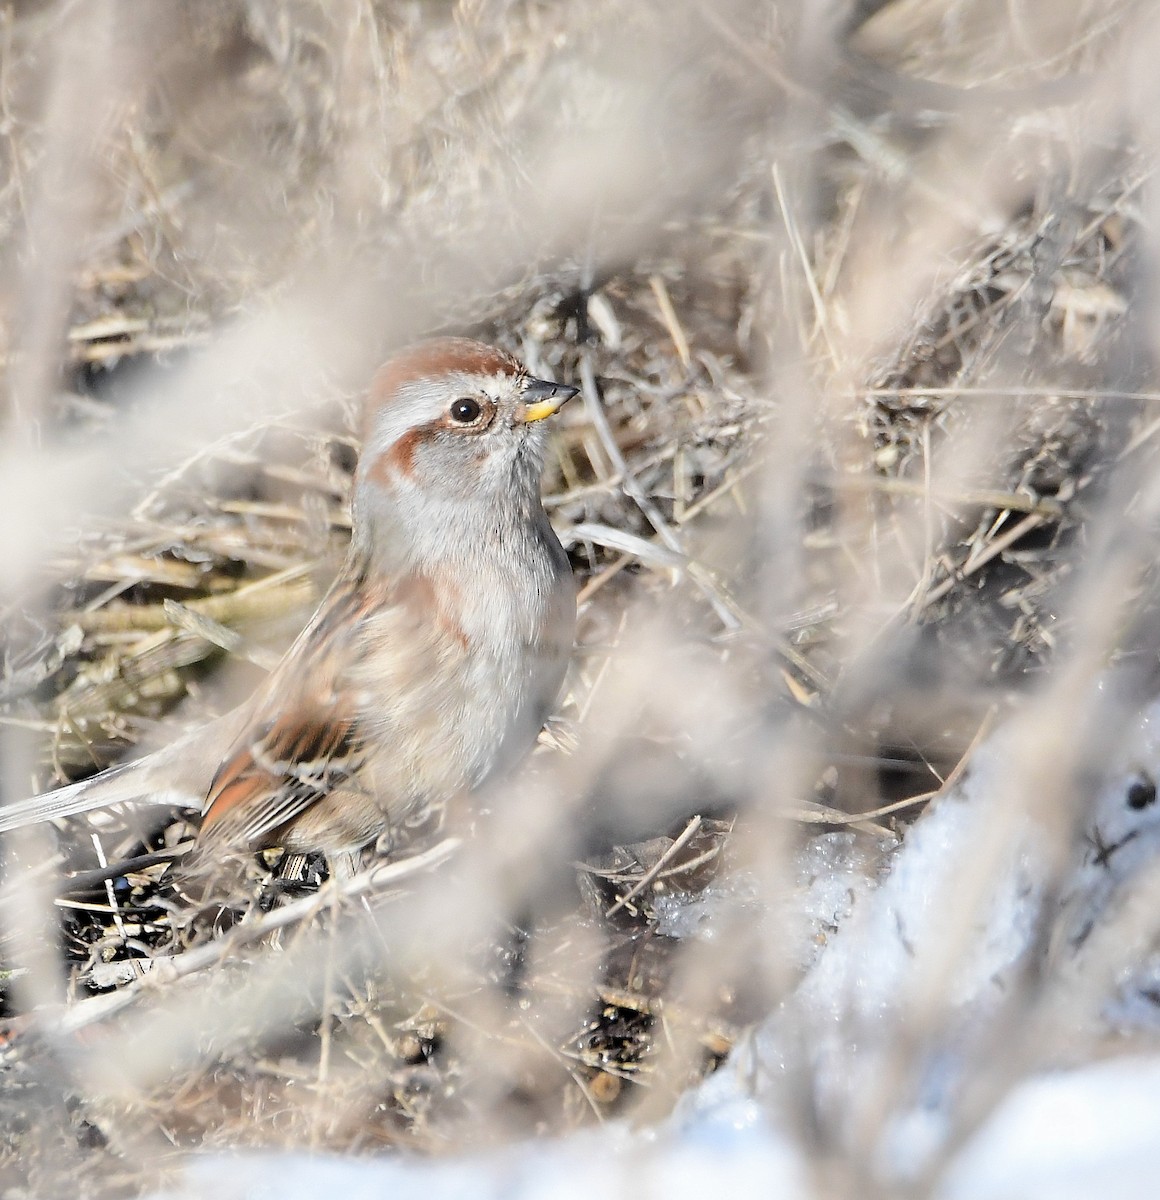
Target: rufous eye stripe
[{"x": 399, "y": 459}]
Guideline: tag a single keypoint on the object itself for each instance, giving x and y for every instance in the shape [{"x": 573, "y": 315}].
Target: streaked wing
[
  {"x": 304, "y": 739},
  {"x": 280, "y": 771}
]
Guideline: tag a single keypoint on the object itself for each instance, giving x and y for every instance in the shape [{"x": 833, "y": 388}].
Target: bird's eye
[
  {"x": 1141, "y": 792},
  {"x": 465, "y": 411}
]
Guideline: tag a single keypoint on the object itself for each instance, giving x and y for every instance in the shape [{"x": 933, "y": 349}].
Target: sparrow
[{"x": 433, "y": 660}]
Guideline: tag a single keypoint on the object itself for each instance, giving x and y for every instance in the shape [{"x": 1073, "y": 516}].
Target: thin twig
[
  {"x": 89, "y": 1012},
  {"x": 594, "y": 406},
  {"x": 687, "y": 834},
  {"x": 993, "y": 550},
  {"x": 1045, "y": 506}
]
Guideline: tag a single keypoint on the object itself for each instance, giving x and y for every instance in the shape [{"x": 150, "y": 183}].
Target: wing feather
[{"x": 304, "y": 738}]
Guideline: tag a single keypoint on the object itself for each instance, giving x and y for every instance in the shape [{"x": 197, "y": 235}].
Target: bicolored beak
[{"x": 541, "y": 399}]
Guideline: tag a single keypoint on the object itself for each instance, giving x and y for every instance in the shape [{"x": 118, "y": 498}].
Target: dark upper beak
[{"x": 541, "y": 399}]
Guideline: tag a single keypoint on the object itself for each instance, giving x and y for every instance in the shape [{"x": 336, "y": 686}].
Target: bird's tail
[
  {"x": 119, "y": 785},
  {"x": 177, "y": 775}
]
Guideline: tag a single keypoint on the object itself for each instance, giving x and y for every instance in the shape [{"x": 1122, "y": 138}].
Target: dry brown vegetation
[{"x": 859, "y": 296}]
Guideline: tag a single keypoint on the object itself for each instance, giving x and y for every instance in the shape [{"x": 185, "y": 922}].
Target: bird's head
[{"x": 452, "y": 438}]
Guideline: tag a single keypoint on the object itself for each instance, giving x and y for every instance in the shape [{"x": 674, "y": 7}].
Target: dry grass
[{"x": 859, "y": 302}]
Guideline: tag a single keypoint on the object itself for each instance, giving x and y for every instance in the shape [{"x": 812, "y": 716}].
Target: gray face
[
  {"x": 460, "y": 436},
  {"x": 459, "y": 432},
  {"x": 453, "y": 448}
]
